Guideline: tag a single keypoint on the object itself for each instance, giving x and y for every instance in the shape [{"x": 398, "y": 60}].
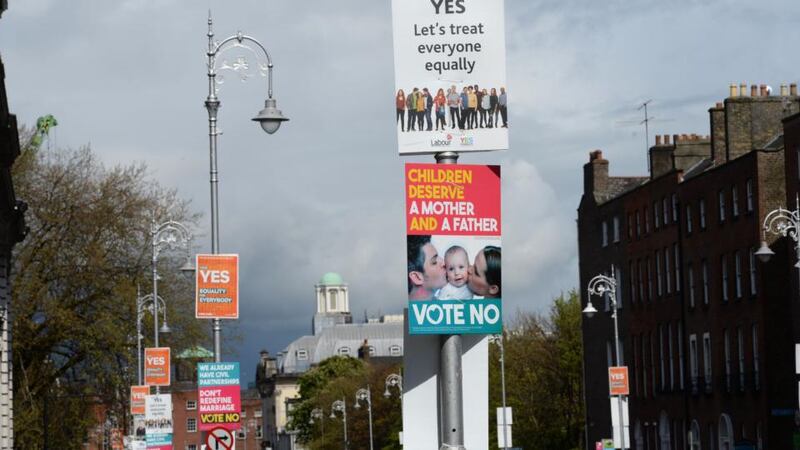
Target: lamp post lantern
[
  {"x": 393, "y": 380},
  {"x": 341, "y": 406},
  {"x": 603, "y": 285},
  {"x": 364, "y": 395},
  {"x": 270, "y": 119},
  {"x": 781, "y": 222}
]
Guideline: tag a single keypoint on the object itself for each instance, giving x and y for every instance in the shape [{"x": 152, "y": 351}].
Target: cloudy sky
[{"x": 325, "y": 193}]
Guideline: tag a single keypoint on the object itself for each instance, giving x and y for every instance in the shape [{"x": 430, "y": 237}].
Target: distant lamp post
[
  {"x": 498, "y": 339},
  {"x": 146, "y": 304},
  {"x": 780, "y": 222},
  {"x": 364, "y": 395},
  {"x": 270, "y": 119},
  {"x": 341, "y": 406},
  {"x": 394, "y": 381},
  {"x": 602, "y": 286}
]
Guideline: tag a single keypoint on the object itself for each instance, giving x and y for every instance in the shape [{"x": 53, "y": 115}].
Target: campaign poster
[
  {"x": 450, "y": 75},
  {"x": 137, "y": 399},
  {"x": 453, "y": 228},
  {"x": 219, "y": 395},
  {"x": 217, "y": 287},
  {"x": 158, "y": 422},
  {"x": 157, "y": 366}
]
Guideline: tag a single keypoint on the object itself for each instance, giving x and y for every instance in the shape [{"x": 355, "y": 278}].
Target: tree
[
  {"x": 74, "y": 282},
  {"x": 339, "y": 378},
  {"x": 543, "y": 377}
]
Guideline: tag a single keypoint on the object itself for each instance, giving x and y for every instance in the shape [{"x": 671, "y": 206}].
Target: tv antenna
[{"x": 646, "y": 122}]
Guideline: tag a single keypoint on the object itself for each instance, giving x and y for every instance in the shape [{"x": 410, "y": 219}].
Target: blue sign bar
[{"x": 483, "y": 316}]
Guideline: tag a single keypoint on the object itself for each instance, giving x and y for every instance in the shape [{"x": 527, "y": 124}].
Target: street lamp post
[
  {"x": 603, "y": 285},
  {"x": 141, "y": 307},
  {"x": 780, "y": 222},
  {"x": 341, "y": 406},
  {"x": 498, "y": 339},
  {"x": 169, "y": 235},
  {"x": 270, "y": 119},
  {"x": 393, "y": 380},
  {"x": 364, "y": 395}
]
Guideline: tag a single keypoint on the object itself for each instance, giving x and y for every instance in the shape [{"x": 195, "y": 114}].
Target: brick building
[{"x": 706, "y": 330}]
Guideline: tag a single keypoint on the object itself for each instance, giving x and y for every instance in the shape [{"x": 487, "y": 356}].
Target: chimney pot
[
  {"x": 743, "y": 90},
  {"x": 754, "y": 90},
  {"x": 666, "y": 139},
  {"x": 784, "y": 90},
  {"x": 793, "y": 89},
  {"x": 733, "y": 91},
  {"x": 675, "y": 138},
  {"x": 719, "y": 104},
  {"x": 595, "y": 155},
  {"x": 658, "y": 139},
  {"x": 763, "y": 90}
]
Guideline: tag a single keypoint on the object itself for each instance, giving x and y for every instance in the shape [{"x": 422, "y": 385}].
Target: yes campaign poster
[
  {"x": 158, "y": 421},
  {"x": 450, "y": 75},
  {"x": 453, "y": 228}
]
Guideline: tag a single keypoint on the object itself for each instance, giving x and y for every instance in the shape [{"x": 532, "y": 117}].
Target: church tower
[{"x": 333, "y": 303}]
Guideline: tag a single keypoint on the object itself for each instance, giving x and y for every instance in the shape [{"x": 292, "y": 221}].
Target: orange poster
[
  {"x": 217, "y": 287},
  {"x": 137, "y": 399},
  {"x": 156, "y": 366},
  {"x": 618, "y": 381}
]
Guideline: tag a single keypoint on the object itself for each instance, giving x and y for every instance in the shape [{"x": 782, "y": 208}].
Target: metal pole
[
  {"x": 369, "y": 410},
  {"x": 153, "y": 233},
  {"x": 452, "y": 415},
  {"x": 613, "y": 294},
  {"x": 212, "y": 105},
  {"x": 139, "y": 314},
  {"x": 503, "y": 386},
  {"x": 344, "y": 416}
]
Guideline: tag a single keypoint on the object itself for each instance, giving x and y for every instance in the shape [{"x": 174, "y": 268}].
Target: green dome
[{"x": 331, "y": 278}]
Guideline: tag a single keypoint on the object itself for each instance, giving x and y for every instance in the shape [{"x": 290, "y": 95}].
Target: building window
[
  {"x": 749, "y": 195},
  {"x": 241, "y": 434},
  {"x": 191, "y": 446},
  {"x": 643, "y": 340},
  {"x": 665, "y": 210},
  {"x": 727, "y": 347},
  {"x": 752, "y": 272},
  {"x": 191, "y": 405},
  {"x": 690, "y": 280},
  {"x": 667, "y": 270},
  {"x": 674, "y": 208},
  {"x": 637, "y": 350},
  {"x": 688, "y": 219},
  {"x": 630, "y": 226},
  {"x": 649, "y": 280},
  {"x": 641, "y": 281},
  {"x": 721, "y": 196},
  {"x": 756, "y": 378},
  {"x": 605, "y": 234},
  {"x": 737, "y": 261},
  {"x": 646, "y": 221},
  {"x": 638, "y": 225},
  {"x": 759, "y": 437},
  {"x": 653, "y": 361},
  {"x": 616, "y": 229},
  {"x": 693, "y": 437},
  {"x": 740, "y": 340},
  {"x": 671, "y": 357},
  {"x": 191, "y": 425},
  {"x": 659, "y": 275},
  {"x": 680, "y": 355},
  {"x": 702, "y": 214},
  {"x": 631, "y": 277},
  {"x": 395, "y": 350},
  {"x": 302, "y": 354},
  {"x": 661, "y": 357},
  {"x": 694, "y": 370},
  {"x": 705, "y": 282},
  {"x": 344, "y": 351},
  {"x": 735, "y": 201},
  {"x": 332, "y": 306},
  {"x": 656, "y": 216},
  {"x": 677, "y": 261},
  {"x": 725, "y": 432},
  {"x": 259, "y": 432},
  {"x": 707, "y": 360},
  {"x": 723, "y": 267},
  {"x": 257, "y": 413}
]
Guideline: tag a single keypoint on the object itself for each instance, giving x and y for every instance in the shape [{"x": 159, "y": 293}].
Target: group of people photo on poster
[{"x": 467, "y": 109}]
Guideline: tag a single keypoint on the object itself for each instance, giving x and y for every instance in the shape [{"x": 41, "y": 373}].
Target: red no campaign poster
[{"x": 452, "y": 200}]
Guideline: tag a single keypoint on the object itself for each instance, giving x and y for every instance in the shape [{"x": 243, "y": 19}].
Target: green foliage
[
  {"x": 339, "y": 378},
  {"x": 74, "y": 282},
  {"x": 543, "y": 378}
]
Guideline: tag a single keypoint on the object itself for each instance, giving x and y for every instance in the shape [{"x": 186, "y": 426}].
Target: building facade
[{"x": 705, "y": 329}]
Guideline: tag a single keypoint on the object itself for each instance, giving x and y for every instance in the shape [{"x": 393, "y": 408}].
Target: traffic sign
[{"x": 220, "y": 439}]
